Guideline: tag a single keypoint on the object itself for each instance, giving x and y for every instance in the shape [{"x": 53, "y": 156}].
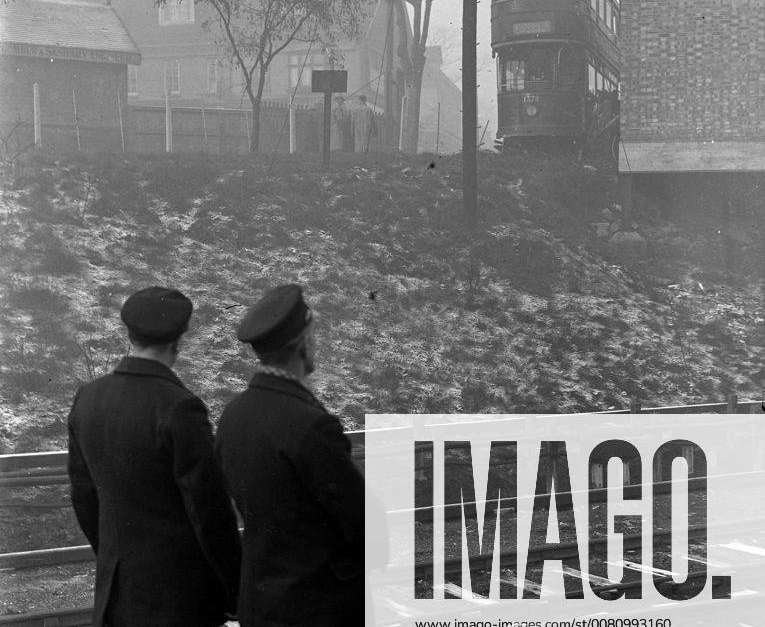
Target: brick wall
[{"x": 694, "y": 70}]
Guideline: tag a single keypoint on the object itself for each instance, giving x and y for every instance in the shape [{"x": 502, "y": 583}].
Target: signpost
[{"x": 328, "y": 82}]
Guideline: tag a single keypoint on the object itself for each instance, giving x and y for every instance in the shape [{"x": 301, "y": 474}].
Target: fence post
[
  {"x": 76, "y": 121},
  {"x": 635, "y": 405},
  {"x": 293, "y": 130},
  {"x": 732, "y": 404},
  {"x": 36, "y": 113},
  {"x": 168, "y": 123},
  {"x": 438, "y": 126},
  {"x": 402, "y": 124},
  {"x": 247, "y": 131},
  {"x": 221, "y": 132},
  {"x": 122, "y": 125},
  {"x": 204, "y": 129}
]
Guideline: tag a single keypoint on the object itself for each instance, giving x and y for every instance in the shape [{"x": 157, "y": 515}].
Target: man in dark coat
[
  {"x": 288, "y": 464},
  {"x": 146, "y": 488}
]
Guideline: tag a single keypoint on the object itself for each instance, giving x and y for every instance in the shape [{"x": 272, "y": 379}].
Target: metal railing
[{"x": 49, "y": 468}]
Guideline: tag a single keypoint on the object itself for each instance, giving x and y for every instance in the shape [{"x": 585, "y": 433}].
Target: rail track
[{"x": 49, "y": 468}]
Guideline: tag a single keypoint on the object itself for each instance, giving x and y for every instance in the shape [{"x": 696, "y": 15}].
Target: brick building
[
  {"x": 693, "y": 84},
  {"x": 63, "y": 71}
]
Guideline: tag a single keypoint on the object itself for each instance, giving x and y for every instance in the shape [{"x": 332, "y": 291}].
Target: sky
[{"x": 446, "y": 31}]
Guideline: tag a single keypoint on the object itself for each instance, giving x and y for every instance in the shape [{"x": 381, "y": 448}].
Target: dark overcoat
[
  {"x": 288, "y": 465},
  {"x": 151, "y": 499}
]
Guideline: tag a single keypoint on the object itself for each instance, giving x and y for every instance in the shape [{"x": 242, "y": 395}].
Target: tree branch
[
  {"x": 225, "y": 19},
  {"x": 426, "y": 23},
  {"x": 417, "y": 20},
  {"x": 293, "y": 36}
]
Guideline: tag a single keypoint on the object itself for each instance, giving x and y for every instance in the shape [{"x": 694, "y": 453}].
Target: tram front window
[
  {"x": 527, "y": 68},
  {"x": 539, "y": 65},
  {"x": 514, "y": 75}
]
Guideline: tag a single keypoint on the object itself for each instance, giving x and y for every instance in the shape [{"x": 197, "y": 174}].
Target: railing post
[
  {"x": 122, "y": 123},
  {"x": 221, "y": 132},
  {"x": 635, "y": 406},
  {"x": 76, "y": 120},
  {"x": 732, "y": 404}
]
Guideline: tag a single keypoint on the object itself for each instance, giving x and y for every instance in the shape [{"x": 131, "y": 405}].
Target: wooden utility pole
[
  {"x": 390, "y": 114},
  {"x": 325, "y": 151},
  {"x": 469, "y": 112}
]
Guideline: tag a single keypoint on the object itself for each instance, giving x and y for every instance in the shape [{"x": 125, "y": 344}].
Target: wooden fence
[{"x": 215, "y": 130}]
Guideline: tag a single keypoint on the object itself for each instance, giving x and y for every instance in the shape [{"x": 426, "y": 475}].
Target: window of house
[
  {"x": 300, "y": 68},
  {"x": 591, "y": 78},
  {"x": 132, "y": 80},
  {"x": 609, "y": 15},
  {"x": 173, "y": 76},
  {"x": 176, "y": 12},
  {"x": 213, "y": 76}
]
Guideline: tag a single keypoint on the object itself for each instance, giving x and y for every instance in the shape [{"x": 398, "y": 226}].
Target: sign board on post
[
  {"x": 334, "y": 81},
  {"x": 328, "y": 82}
]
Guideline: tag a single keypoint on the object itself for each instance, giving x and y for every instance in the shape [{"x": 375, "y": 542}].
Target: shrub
[
  {"x": 58, "y": 261},
  {"x": 38, "y": 299}
]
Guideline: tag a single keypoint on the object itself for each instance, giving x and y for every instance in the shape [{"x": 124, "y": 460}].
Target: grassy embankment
[{"x": 531, "y": 313}]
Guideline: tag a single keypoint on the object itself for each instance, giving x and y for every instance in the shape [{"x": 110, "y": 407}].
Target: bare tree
[
  {"x": 255, "y": 31},
  {"x": 416, "y": 66}
]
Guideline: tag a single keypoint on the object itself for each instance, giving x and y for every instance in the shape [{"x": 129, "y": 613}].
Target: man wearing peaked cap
[
  {"x": 288, "y": 463},
  {"x": 146, "y": 488},
  {"x": 279, "y": 318}
]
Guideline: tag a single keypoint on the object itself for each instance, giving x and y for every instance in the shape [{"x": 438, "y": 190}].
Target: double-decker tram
[{"x": 557, "y": 69}]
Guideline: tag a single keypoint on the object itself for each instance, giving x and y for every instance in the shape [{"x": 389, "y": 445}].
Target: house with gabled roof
[{"x": 63, "y": 75}]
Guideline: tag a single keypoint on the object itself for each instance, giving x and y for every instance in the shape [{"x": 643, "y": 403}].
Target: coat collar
[
  {"x": 147, "y": 368},
  {"x": 266, "y": 380}
]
